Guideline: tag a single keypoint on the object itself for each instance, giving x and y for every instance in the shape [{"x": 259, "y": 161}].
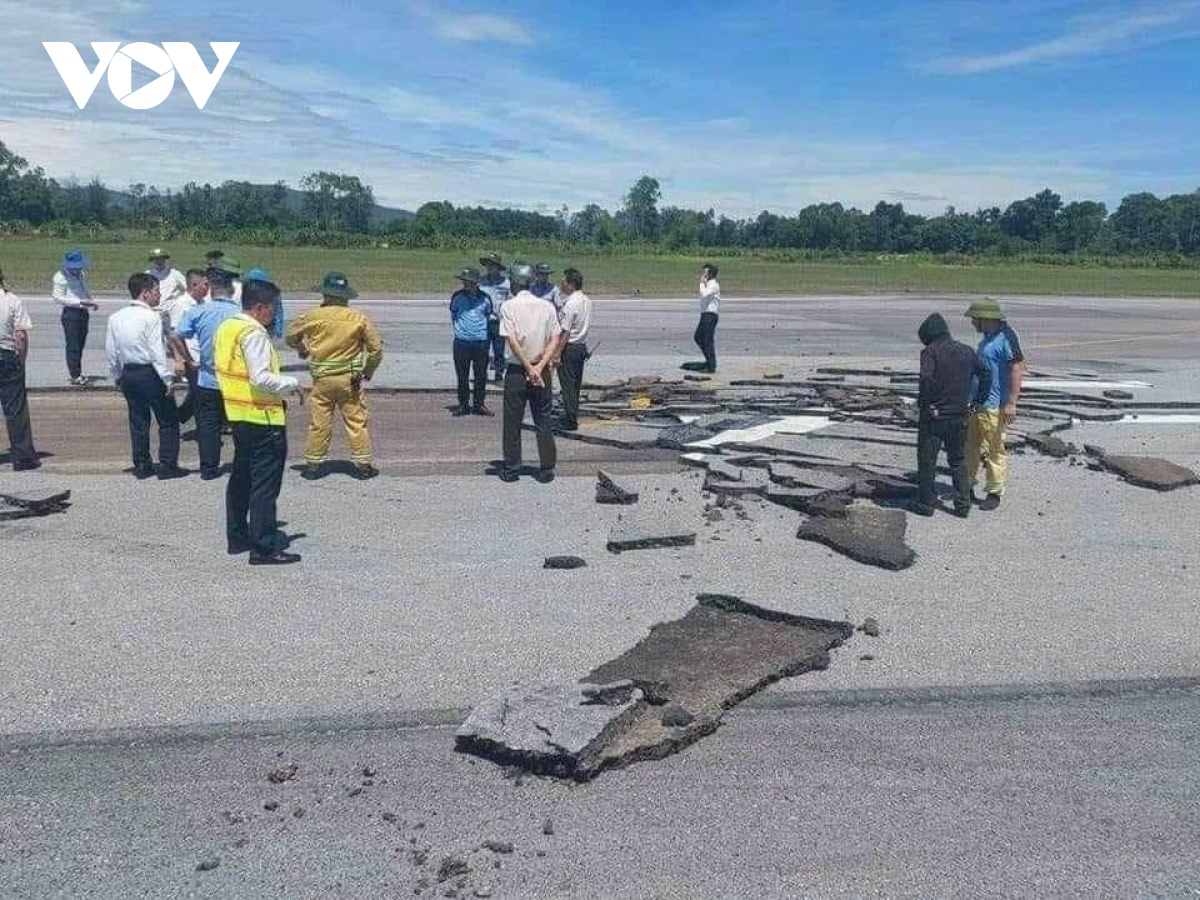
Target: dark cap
[
  {"x": 336, "y": 285},
  {"x": 469, "y": 275},
  {"x": 542, "y": 269},
  {"x": 492, "y": 259},
  {"x": 225, "y": 265}
]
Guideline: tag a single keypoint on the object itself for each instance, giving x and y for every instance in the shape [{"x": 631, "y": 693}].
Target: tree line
[{"x": 336, "y": 209}]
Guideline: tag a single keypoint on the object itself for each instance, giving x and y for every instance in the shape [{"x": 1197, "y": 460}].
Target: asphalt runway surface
[
  {"x": 1023, "y": 726},
  {"x": 648, "y": 337}
]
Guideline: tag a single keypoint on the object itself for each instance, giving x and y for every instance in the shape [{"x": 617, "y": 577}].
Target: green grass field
[{"x": 28, "y": 264}]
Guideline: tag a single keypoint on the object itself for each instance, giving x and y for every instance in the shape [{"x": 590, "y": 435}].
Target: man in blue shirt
[
  {"x": 495, "y": 284},
  {"x": 470, "y": 314},
  {"x": 1000, "y": 353},
  {"x": 201, "y": 323}
]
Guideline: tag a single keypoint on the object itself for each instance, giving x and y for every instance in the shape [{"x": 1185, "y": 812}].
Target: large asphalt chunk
[
  {"x": 1150, "y": 472},
  {"x": 554, "y": 729},
  {"x": 722, "y": 651},
  {"x": 865, "y": 533}
]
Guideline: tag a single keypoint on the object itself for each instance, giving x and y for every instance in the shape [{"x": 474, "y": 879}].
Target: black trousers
[
  {"x": 259, "y": 455},
  {"x": 706, "y": 339},
  {"x": 517, "y": 393},
  {"x": 16, "y": 406},
  {"x": 75, "y": 331},
  {"x": 145, "y": 393},
  {"x": 499, "y": 345},
  {"x": 187, "y": 408},
  {"x": 471, "y": 356},
  {"x": 570, "y": 377},
  {"x": 210, "y": 409},
  {"x": 934, "y": 435}
]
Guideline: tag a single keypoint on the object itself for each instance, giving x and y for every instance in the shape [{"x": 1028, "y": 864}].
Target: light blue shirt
[
  {"x": 469, "y": 313},
  {"x": 998, "y": 352},
  {"x": 201, "y": 322}
]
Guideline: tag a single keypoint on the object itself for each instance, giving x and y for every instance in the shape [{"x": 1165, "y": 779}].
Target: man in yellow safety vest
[{"x": 252, "y": 391}]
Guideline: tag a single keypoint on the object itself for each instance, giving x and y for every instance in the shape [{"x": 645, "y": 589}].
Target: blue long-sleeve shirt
[{"x": 469, "y": 313}]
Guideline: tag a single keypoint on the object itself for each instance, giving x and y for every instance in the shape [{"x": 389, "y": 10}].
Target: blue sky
[{"x": 741, "y": 107}]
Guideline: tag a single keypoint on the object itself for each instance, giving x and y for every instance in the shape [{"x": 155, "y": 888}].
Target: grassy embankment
[{"x": 28, "y": 264}]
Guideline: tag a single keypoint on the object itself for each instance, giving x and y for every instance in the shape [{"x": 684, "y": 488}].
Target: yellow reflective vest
[{"x": 243, "y": 401}]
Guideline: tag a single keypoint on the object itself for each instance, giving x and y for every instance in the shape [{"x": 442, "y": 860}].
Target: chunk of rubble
[
  {"x": 676, "y": 437},
  {"x": 1149, "y": 471},
  {"x": 1115, "y": 394},
  {"x": 792, "y": 475},
  {"x": 1049, "y": 445},
  {"x": 558, "y": 729},
  {"x": 608, "y": 491},
  {"x": 28, "y": 504},
  {"x": 867, "y": 534},
  {"x": 564, "y": 562},
  {"x": 637, "y": 533},
  {"x": 749, "y": 481}
]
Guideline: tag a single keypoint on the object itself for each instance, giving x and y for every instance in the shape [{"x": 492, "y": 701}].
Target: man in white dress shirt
[
  {"x": 710, "y": 307},
  {"x": 172, "y": 285},
  {"x": 14, "y": 348},
  {"x": 137, "y": 362},
  {"x": 70, "y": 291},
  {"x": 530, "y": 326},
  {"x": 575, "y": 317}
]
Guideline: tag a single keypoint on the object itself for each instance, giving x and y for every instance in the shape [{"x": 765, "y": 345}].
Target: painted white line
[
  {"x": 1065, "y": 385},
  {"x": 784, "y": 425},
  {"x": 1160, "y": 419}
]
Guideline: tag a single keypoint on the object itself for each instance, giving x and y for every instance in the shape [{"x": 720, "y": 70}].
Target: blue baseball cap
[{"x": 258, "y": 275}]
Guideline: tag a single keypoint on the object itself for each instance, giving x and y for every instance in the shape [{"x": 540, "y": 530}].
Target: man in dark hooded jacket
[{"x": 952, "y": 380}]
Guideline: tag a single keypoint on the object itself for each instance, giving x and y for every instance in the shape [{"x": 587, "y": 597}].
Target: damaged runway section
[{"x": 660, "y": 696}]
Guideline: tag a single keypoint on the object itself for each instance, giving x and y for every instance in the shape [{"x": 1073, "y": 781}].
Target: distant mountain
[{"x": 295, "y": 199}]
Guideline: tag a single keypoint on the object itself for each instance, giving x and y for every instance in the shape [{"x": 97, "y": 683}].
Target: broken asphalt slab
[
  {"x": 867, "y": 534},
  {"x": 1149, "y": 472},
  {"x": 648, "y": 532},
  {"x": 555, "y": 729},
  {"x": 661, "y": 695},
  {"x": 27, "y": 504}
]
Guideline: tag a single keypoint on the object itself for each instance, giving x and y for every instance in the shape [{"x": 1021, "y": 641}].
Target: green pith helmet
[
  {"x": 336, "y": 285},
  {"x": 226, "y": 265},
  {"x": 987, "y": 308},
  {"x": 492, "y": 259}
]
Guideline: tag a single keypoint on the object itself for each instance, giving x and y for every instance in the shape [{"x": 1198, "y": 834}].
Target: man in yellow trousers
[
  {"x": 1000, "y": 353},
  {"x": 344, "y": 349}
]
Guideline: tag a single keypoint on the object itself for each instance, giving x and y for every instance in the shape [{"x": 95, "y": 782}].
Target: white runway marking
[
  {"x": 784, "y": 425},
  {"x": 1065, "y": 385},
  {"x": 1160, "y": 419}
]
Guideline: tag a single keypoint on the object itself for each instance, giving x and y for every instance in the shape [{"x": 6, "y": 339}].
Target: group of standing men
[{"x": 531, "y": 327}]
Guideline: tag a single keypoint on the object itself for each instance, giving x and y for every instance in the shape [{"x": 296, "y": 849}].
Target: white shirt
[
  {"x": 175, "y": 316},
  {"x": 68, "y": 290},
  {"x": 577, "y": 317},
  {"x": 171, "y": 286},
  {"x": 257, "y": 351},
  {"x": 710, "y": 296},
  {"x": 531, "y": 322},
  {"x": 135, "y": 338},
  {"x": 13, "y": 318}
]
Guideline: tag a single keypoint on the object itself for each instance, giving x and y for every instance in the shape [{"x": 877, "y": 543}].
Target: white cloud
[
  {"x": 475, "y": 27},
  {"x": 1090, "y": 36}
]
